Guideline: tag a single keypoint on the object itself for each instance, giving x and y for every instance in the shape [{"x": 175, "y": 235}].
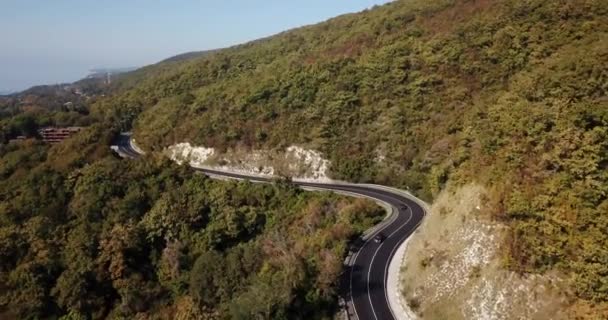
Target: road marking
[
  {"x": 391, "y": 259},
  {"x": 395, "y": 215},
  {"x": 369, "y": 296},
  {"x": 376, "y": 252},
  {"x": 357, "y": 255}
]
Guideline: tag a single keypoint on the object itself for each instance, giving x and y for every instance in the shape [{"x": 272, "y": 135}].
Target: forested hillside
[
  {"x": 86, "y": 235},
  {"x": 506, "y": 93}
]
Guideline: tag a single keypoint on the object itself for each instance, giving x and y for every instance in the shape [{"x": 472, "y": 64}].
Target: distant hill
[
  {"x": 189, "y": 55},
  {"x": 104, "y": 73},
  {"x": 106, "y": 80},
  {"x": 95, "y": 82}
]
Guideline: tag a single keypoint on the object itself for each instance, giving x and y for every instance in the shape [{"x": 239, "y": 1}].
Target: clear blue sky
[{"x": 51, "y": 41}]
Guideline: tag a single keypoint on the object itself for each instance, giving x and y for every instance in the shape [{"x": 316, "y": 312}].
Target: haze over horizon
[{"x": 62, "y": 40}]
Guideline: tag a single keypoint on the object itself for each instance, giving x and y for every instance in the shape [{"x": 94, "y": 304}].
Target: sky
[{"x": 56, "y": 41}]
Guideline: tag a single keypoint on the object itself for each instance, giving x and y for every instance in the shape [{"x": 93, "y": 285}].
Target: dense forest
[
  {"x": 506, "y": 93},
  {"x": 415, "y": 94},
  {"x": 84, "y": 234}
]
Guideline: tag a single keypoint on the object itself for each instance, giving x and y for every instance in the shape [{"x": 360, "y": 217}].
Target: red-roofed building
[{"x": 56, "y": 135}]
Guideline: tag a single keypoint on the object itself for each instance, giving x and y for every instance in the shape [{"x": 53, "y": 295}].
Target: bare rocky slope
[{"x": 453, "y": 267}]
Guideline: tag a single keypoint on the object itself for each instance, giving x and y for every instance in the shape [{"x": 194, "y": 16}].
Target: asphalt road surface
[{"x": 364, "y": 282}]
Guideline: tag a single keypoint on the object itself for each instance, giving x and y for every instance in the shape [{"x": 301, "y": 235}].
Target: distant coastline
[{"x": 92, "y": 74}]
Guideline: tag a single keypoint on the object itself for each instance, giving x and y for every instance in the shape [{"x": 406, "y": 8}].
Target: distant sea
[{"x": 93, "y": 73}]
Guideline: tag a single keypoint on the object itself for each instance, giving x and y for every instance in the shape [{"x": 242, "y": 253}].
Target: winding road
[{"x": 364, "y": 282}]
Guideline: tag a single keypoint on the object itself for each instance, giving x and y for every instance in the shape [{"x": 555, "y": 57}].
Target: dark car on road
[{"x": 379, "y": 238}]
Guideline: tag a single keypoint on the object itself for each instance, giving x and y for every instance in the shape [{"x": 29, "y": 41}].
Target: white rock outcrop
[
  {"x": 185, "y": 152},
  {"x": 296, "y": 162}
]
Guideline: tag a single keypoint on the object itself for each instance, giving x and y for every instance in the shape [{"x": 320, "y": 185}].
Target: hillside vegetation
[
  {"x": 85, "y": 235},
  {"x": 509, "y": 94}
]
